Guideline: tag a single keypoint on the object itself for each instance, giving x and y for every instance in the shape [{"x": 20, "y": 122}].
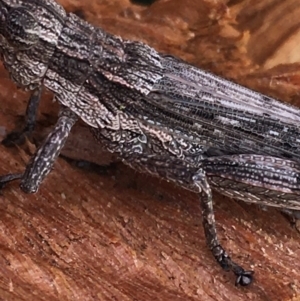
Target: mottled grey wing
[
  {"x": 224, "y": 115},
  {"x": 257, "y": 179}
]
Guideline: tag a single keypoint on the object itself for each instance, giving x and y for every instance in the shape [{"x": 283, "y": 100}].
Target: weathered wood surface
[{"x": 125, "y": 236}]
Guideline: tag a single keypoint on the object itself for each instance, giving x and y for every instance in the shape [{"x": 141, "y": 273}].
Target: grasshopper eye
[
  {"x": 3, "y": 14},
  {"x": 20, "y": 28}
]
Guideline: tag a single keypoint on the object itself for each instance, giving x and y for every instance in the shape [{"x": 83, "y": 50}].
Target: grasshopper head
[
  {"x": 18, "y": 27},
  {"x": 29, "y": 33}
]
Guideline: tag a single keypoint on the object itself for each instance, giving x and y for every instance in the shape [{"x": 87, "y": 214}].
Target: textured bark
[{"x": 120, "y": 235}]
